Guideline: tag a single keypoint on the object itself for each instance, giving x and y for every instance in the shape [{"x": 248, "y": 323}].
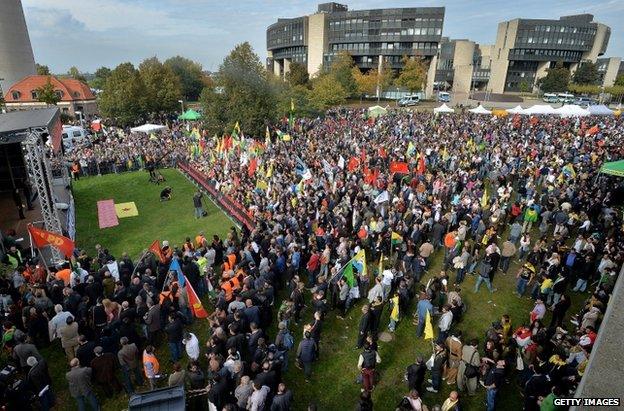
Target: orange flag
[
  {"x": 399, "y": 167},
  {"x": 194, "y": 301},
  {"x": 41, "y": 238},
  {"x": 253, "y": 165},
  {"x": 155, "y": 248}
]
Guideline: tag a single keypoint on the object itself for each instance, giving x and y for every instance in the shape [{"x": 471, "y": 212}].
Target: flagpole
[{"x": 139, "y": 262}]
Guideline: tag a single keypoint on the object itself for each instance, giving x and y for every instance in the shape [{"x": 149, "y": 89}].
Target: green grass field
[{"x": 333, "y": 384}]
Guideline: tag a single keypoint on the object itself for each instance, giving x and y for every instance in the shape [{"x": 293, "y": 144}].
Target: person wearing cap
[
  {"x": 104, "y": 365},
  {"x": 39, "y": 382},
  {"x": 79, "y": 381}
]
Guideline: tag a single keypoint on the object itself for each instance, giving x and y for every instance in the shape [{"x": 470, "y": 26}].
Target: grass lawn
[{"x": 333, "y": 384}]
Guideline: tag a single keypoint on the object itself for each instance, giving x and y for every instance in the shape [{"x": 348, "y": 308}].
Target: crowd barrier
[{"x": 231, "y": 207}]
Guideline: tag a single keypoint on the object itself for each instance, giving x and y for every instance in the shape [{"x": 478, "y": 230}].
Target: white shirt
[
  {"x": 445, "y": 321},
  {"x": 192, "y": 347},
  {"x": 387, "y": 277}
]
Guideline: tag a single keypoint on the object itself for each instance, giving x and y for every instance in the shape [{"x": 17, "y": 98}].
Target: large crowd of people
[{"x": 440, "y": 205}]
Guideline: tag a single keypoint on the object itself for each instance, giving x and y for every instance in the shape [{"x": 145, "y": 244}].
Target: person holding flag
[{"x": 424, "y": 308}]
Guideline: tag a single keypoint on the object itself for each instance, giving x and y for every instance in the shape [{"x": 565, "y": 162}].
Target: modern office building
[
  {"x": 608, "y": 69},
  {"x": 370, "y": 36},
  {"x": 526, "y": 48},
  {"x": 16, "y": 55},
  {"x": 462, "y": 66}
]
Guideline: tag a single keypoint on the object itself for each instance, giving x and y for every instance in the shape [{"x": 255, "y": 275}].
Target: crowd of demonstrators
[{"x": 482, "y": 193}]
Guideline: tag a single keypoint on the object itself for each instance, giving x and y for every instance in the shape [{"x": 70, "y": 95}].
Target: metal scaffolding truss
[{"x": 39, "y": 169}]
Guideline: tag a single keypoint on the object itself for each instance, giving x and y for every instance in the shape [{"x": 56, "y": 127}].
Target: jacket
[
  {"x": 69, "y": 335},
  {"x": 103, "y": 367},
  {"x": 306, "y": 351},
  {"x": 128, "y": 356},
  {"x": 152, "y": 319},
  {"x": 79, "y": 381}
]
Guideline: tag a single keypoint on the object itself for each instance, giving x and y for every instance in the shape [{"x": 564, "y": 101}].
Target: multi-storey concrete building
[
  {"x": 368, "y": 35},
  {"x": 608, "y": 69},
  {"x": 526, "y": 48},
  {"x": 16, "y": 55},
  {"x": 462, "y": 66}
]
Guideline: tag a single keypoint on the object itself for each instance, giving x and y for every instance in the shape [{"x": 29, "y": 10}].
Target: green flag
[{"x": 348, "y": 274}]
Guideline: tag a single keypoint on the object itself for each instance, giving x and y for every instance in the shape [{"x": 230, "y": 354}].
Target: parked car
[
  {"x": 585, "y": 101},
  {"x": 566, "y": 98},
  {"x": 444, "y": 97},
  {"x": 73, "y": 135},
  {"x": 409, "y": 101},
  {"x": 550, "y": 98}
]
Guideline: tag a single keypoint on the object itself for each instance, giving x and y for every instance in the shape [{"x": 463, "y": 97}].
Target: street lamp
[{"x": 182, "y": 104}]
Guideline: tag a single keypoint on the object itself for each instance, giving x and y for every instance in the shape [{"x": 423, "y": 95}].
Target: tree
[
  {"x": 191, "y": 75},
  {"x": 586, "y": 89},
  {"x": 586, "y": 73},
  {"x": 243, "y": 93},
  {"x": 297, "y": 75},
  {"x": 74, "y": 73},
  {"x": 122, "y": 97},
  {"x": 556, "y": 79},
  {"x": 619, "y": 81},
  {"x": 47, "y": 94},
  {"x": 162, "y": 86},
  {"x": 366, "y": 83},
  {"x": 616, "y": 91},
  {"x": 524, "y": 86},
  {"x": 99, "y": 78},
  {"x": 327, "y": 92},
  {"x": 342, "y": 71},
  {"x": 42, "y": 70},
  {"x": 413, "y": 75}
]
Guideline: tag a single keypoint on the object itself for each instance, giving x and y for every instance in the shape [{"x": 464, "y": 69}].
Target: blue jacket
[
  {"x": 307, "y": 350},
  {"x": 423, "y": 307}
]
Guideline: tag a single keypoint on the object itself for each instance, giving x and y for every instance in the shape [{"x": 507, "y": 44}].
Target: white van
[
  {"x": 409, "y": 100},
  {"x": 73, "y": 135},
  {"x": 566, "y": 98}
]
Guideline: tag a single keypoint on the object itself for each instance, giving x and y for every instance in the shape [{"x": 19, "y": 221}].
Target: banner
[
  {"x": 175, "y": 266},
  {"x": 155, "y": 249},
  {"x": 41, "y": 238},
  {"x": 399, "y": 167},
  {"x": 194, "y": 302}
]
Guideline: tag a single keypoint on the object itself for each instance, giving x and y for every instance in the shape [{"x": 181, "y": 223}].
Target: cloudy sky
[{"x": 93, "y": 33}]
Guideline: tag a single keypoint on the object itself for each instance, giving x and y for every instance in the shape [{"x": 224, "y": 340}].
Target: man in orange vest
[{"x": 151, "y": 367}]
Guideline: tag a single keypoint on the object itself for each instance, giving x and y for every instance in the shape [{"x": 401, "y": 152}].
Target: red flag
[
  {"x": 420, "y": 169},
  {"x": 370, "y": 176},
  {"x": 194, "y": 301},
  {"x": 382, "y": 152},
  {"x": 399, "y": 167},
  {"x": 41, "y": 238},
  {"x": 155, "y": 248},
  {"x": 353, "y": 164},
  {"x": 253, "y": 165}
]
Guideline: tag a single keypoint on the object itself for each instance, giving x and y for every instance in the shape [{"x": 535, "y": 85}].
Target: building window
[
  {"x": 16, "y": 95},
  {"x": 34, "y": 94},
  {"x": 58, "y": 93}
]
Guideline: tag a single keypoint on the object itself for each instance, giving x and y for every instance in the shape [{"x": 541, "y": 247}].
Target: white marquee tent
[
  {"x": 539, "y": 109},
  {"x": 600, "y": 110},
  {"x": 443, "y": 109},
  {"x": 480, "y": 110},
  {"x": 516, "y": 110},
  {"x": 148, "y": 128},
  {"x": 572, "y": 110}
]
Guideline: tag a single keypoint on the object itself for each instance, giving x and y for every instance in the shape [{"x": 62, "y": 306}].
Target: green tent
[
  {"x": 614, "y": 168},
  {"x": 190, "y": 114},
  {"x": 376, "y": 111}
]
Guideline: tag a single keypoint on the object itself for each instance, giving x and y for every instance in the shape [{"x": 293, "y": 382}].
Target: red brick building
[{"x": 74, "y": 95}]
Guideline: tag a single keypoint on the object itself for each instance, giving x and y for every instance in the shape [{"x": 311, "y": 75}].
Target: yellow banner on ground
[{"x": 126, "y": 210}]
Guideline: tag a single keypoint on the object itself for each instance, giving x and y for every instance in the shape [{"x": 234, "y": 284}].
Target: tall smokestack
[{"x": 16, "y": 55}]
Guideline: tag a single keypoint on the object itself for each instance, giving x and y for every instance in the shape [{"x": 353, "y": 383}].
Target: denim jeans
[
  {"x": 175, "y": 348},
  {"x": 521, "y": 286},
  {"x": 392, "y": 325},
  {"x": 581, "y": 285},
  {"x": 90, "y": 399},
  {"x": 199, "y": 212},
  {"x": 436, "y": 379},
  {"x": 485, "y": 280},
  {"x": 522, "y": 253},
  {"x": 460, "y": 275},
  {"x": 307, "y": 369},
  {"x": 491, "y": 399},
  {"x": 504, "y": 264}
]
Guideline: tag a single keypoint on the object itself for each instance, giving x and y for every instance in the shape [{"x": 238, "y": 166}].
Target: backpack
[{"x": 288, "y": 341}]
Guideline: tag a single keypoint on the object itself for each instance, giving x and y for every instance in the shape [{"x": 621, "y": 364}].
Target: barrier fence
[{"x": 234, "y": 209}]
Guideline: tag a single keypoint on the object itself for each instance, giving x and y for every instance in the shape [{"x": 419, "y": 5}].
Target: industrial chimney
[{"x": 16, "y": 55}]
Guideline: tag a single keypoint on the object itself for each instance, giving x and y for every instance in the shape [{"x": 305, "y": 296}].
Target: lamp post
[{"x": 181, "y": 104}]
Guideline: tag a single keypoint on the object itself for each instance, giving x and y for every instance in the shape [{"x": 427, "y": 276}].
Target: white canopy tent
[
  {"x": 480, "y": 110},
  {"x": 539, "y": 109},
  {"x": 443, "y": 109},
  {"x": 572, "y": 110},
  {"x": 148, "y": 128},
  {"x": 516, "y": 110},
  {"x": 600, "y": 110}
]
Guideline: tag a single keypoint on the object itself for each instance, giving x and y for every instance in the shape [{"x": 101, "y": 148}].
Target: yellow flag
[
  {"x": 485, "y": 198},
  {"x": 269, "y": 173},
  {"x": 126, "y": 210},
  {"x": 262, "y": 185},
  {"x": 267, "y": 137},
  {"x": 428, "y": 327},
  {"x": 380, "y": 269},
  {"x": 292, "y": 104}
]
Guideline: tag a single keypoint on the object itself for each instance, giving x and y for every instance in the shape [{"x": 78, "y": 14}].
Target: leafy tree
[
  {"x": 366, "y": 83},
  {"x": 42, "y": 70},
  {"x": 616, "y": 91},
  {"x": 342, "y": 71},
  {"x": 619, "y": 81},
  {"x": 47, "y": 94},
  {"x": 100, "y": 77},
  {"x": 586, "y": 73},
  {"x": 587, "y": 89},
  {"x": 297, "y": 75},
  {"x": 162, "y": 86},
  {"x": 191, "y": 75},
  {"x": 299, "y": 95},
  {"x": 327, "y": 91},
  {"x": 243, "y": 93},
  {"x": 123, "y": 97},
  {"x": 524, "y": 87},
  {"x": 413, "y": 75},
  {"x": 74, "y": 73},
  {"x": 556, "y": 79}
]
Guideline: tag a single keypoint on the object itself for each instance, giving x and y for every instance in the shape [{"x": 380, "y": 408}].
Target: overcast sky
[{"x": 93, "y": 33}]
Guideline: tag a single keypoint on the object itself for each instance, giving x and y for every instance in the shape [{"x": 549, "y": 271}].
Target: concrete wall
[
  {"x": 431, "y": 77},
  {"x": 16, "y": 56},
  {"x": 612, "y": 70},
  {"x": 317, "y": 42},
  {"x": 601, "y": 32},
  {"x": 542, "y": 68},
  {"x": 463, "y": 67},
  {"x": 505, "y": 40}
]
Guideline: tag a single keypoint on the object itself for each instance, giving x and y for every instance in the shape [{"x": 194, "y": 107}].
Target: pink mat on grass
[{"x": 107, "y": 217}]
